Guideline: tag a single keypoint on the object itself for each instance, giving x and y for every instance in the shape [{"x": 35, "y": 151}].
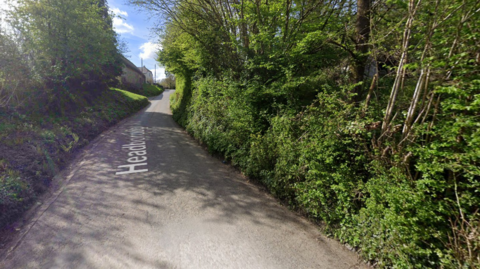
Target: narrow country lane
[{"x": 187, "y": 211}]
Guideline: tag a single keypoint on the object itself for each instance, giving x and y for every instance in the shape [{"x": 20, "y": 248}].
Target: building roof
[
  {"x": 131, "y": 65},
  {"x": 145, "y": 70}
]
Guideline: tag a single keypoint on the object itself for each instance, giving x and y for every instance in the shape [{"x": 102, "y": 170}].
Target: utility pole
[
  {"x": 155, "y": 73},
  {"x": 141, "y": 69}
]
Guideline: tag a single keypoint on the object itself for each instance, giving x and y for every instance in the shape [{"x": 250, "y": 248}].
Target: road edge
[{"x": 58, "y": 184}]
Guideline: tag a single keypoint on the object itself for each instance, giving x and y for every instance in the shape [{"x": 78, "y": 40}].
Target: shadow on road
[{"x": 141, "y": 220}]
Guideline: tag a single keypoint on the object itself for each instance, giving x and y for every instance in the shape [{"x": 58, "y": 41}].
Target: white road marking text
[{"x": 137, "y": 149}]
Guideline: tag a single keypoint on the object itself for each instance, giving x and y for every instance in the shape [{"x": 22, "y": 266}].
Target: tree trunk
[{"x": 362, "y": 26}]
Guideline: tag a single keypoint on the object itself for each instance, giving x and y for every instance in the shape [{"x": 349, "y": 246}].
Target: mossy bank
[{"x": 35, "y": 146}]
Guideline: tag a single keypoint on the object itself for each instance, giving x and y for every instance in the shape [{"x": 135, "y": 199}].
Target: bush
[
  {"x": 180, "y": 99},
  {"x": 398, "y": 225},
  {"x": 168, "y": 82},
  {"x": 15, "y": 77},
  {"x": 398, "y": 211},
  {"x": 318, "y": 159}
]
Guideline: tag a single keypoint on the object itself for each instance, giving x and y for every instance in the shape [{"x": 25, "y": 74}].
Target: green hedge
[
  {"x": 320, "y": 160},
  {"x": 180, "y": 99}
]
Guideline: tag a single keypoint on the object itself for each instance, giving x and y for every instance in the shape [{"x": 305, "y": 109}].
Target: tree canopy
[{"x": 63, "y": 44}]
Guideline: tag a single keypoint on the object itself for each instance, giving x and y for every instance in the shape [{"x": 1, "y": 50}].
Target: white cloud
[
  {"x": 160, "y": 73},
  {"x": 122, "y": 26},
  {"x": 149, "y": 50},
  {"x": 119, "y": 12},
  {"x": 119, "y": 22}
]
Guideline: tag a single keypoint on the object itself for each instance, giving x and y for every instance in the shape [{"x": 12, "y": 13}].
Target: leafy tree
[
  {"x": 67, "y": 42},
  {"x": 14, "y": 73}
]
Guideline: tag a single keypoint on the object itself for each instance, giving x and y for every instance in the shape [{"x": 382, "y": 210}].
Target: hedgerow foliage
[
  {"x": 362, "y": 114},
  {"x": 52, "y": 50}
]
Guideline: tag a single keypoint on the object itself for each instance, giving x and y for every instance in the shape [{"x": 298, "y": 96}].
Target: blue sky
[{"x": 134, "y": 28}]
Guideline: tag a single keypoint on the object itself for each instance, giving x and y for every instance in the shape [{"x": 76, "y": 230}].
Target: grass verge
[
  {"x": 34, "y": 147},
  {"x": 152, "y": 90}
]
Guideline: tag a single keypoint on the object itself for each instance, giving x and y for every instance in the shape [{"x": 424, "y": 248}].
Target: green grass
[
  {"x": 12, "y": 187},
  {"x": 132, "y": 100},
  {"x": 130, "y": 95},
  {"x": 152, "y": 90},
  {"x": 35, "y": 146}
]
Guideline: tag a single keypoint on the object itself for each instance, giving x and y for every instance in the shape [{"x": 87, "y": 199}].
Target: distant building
[
  {"x": 131, "y": 75},
  {"x": 148, "y": 74}
]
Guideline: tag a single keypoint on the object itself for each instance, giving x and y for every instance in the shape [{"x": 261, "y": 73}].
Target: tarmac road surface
[{"x": 189, "y": 210}]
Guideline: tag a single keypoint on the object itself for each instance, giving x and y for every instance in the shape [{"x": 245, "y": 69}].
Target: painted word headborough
[{"x": 137, "y": 151}]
